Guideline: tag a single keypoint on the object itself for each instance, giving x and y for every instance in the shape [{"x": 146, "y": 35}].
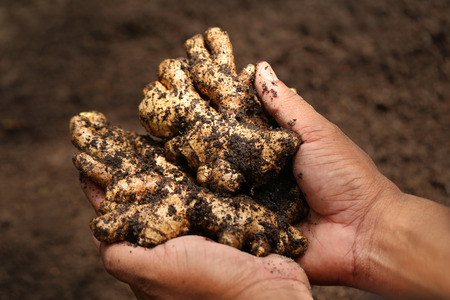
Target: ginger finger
[
  {"x": 91, "y": 134},
  {"x": 216, "y": 73},
  {"x": 153, "y": 156},
  {"x": 247, "y": 76},
  {"x": 148, "y": 225},
  {"x": 132, "y": 188},
  {"x": 111, "y": 146},
  {"x": 168, "y": 107},
  {"x": 160, "y": 122},
  {"x": 121, "y": 164},
  {"x": 90, "y": 168},
  {"x": 149, "y": 209},
  {"x": 215, "y": 77},
  {"x": 218, "y": 42},
  {"x": 228, "y": 145},
  {"x": 239, "y": 221},
  {"x": 196, "y": 48},
  {"x": 111, "y": 227},
  {"x": 118, "y": 150},
  {"x": 207, "y": 137},
  {"x": 220, "y": 174}
]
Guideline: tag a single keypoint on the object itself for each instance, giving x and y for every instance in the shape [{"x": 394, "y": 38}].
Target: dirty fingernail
[{"x": 267, "y": 72}]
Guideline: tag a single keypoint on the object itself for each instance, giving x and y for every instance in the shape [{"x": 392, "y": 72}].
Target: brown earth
[{"x": 378, "y": 69}]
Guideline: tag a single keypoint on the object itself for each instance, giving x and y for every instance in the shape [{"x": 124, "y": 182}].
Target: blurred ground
[{"x": 378, "y": 69}]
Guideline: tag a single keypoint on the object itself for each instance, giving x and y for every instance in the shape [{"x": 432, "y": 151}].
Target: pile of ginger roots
[{"x": 213, "y": 162}]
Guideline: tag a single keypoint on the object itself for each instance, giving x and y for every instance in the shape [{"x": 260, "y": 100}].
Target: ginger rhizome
[
  {"x": 213, "y": 163},
  {"x": 225, "y": 139},
  {"x": 149, "y": 200},
  {"x": 223, "y": 151}
]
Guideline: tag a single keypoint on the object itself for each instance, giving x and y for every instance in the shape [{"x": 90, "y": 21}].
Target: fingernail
[{"x": 267, "y": 72}]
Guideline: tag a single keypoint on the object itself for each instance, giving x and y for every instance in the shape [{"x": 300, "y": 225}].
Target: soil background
[{"x": 380, "y": 70}]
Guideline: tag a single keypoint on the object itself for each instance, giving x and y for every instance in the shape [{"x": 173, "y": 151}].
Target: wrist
[
  {"x": 382, "y": 218},
  {"x": 277, "y": 289},
  {"x": 402, "y": 250}
]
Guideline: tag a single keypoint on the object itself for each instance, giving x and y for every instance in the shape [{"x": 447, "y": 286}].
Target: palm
[
  {"x": 336, "y": 176},
  {"x": 192, "y": 267},
  {"x": 337, "y": 181}
]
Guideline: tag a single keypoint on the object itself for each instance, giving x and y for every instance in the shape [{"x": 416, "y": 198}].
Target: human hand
[
  {"x": 193, "y": 267},
  {"x": 363, "y": 231},
  {"x": 341, "y": 183}
]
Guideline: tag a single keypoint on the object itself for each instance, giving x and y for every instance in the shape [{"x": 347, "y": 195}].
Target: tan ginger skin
[
  {"x": 206, "y": 115},
  {"x": 152, "y": 206},
  {"x": 225, "y": 145}
]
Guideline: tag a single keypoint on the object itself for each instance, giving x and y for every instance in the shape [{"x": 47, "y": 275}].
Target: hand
[
  {"x": 363, "y": 231},
  {"x": 340, "y": 181},
  {"x": 193, "y": 267}
]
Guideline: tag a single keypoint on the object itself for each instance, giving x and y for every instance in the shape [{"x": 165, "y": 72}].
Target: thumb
[
  {"x": 289, "y": 109},
  {"x": 93, "y": 192}
]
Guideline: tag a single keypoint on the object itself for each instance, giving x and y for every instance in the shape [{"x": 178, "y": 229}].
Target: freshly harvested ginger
[
  {"x": 149, "y": 200},
  {"x": 207, "y": 116}
]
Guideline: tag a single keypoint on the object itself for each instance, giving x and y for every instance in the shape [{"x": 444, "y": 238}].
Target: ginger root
[
  {"x": 149, "y": 200},
  {"x": 223, "y": 151},
  {"x": 217, "y": 168}
]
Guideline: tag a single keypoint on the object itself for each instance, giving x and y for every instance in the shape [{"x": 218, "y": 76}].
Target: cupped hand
[
  {"x": 342, "y": 184},
  {"x": 193, "y": 267}
]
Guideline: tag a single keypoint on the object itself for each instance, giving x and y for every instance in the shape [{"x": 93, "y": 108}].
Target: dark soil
[{"x": 378, "y": 69}]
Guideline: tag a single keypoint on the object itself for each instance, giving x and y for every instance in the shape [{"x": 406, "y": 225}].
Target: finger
[
  {"x": 322, "y": 237},
  {"x": 96, "y": 242},
  {"x": 284, "y": 267},
  {"x": 93, "y": 192},
  {"x": 188, "y": 257},
  {"x": 196, "y": 264},
  {"x": 220, "y": 46},
  {"x": 288, "y": 108}
]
